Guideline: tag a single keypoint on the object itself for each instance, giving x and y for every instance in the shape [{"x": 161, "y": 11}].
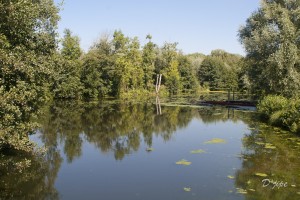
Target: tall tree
[
  {"x": 188, "y": 75},
  {"x": 67, "y": 80},
  {"x": 71, "y": 46},
  {"x": 149, "y": 57},
  {"x": 27, "y": 46},
  {"x": 169, "y": 68},
  {"x": 98, "y": 69},
  {"x": 211, "y": 73},
  {"x": 271, "y": 40}
]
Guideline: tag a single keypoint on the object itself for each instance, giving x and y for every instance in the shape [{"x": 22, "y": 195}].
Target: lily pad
[
  {"x": 230, "y": 177},
  {"x": 215, "y": 141},
  {"x": 261, "y": 174},
  {"x": 183, "y": 162},
  {"x": 187, "y": 189},
  {"x": 293, "y": 185},
  {"x": 197, "y": 151},
  {"x": 149, "y": 149}
]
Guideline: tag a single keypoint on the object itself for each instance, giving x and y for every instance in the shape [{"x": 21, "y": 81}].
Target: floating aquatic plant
[
  {"x": 197, "y": 151},
  {"x": 215, "y": 141},
  {"x": 241, "y": 191},
  {"x": 261, "y": 174},
  {"x": 230, "y": 177},
  {"x": 187, "y": 189},
  {"x": 183, "y": 162}
]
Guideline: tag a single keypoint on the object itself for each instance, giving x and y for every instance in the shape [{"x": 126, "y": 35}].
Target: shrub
[
  {"x": 282, "y": 112},
  {"x": 271, "y": 104}
]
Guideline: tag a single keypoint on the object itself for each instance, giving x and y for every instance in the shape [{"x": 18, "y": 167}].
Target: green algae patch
[
  {"x": 241, "y": 191},
  {"x": 230, "y": 177},
  {"x": 261, "y": 174},
  {"x": 198, "y": 151},
  {"x": 187, "y": 189},
  {"x": 215, "y": 141},
  {"x": 183, "y": 162}
]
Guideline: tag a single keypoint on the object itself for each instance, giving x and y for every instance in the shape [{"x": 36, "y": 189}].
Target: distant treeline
[{"x": 117, "y": 65}]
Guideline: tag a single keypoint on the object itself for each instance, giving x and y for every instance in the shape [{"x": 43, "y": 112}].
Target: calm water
[{"x": 114, "y": 150}]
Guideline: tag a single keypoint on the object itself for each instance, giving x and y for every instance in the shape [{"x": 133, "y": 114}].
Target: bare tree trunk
[{"x": 158, "y": 83}]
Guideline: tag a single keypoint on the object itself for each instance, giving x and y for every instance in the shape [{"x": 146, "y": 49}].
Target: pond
[{"x": 122, "y": 150}]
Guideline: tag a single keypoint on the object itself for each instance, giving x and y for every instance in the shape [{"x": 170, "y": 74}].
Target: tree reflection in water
[
  {"x": 280, "y": 162},
  {"x": 122, "y": 127}
]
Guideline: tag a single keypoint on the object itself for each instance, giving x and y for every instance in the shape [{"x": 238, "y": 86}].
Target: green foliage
[
  {"x": 71, "y": 46},
  {"x": 188, "y": 77},
  {"x": 148, "y": 63},
  {"x": 271, "y": 104},
  {"x": 68, "y": 69},
  {"x": 220, "y": 70},
  {"x": 120, "y": 67},
  {"x": 31, "y": 24},
  {"x": 98, "y": 70},
  {"x": 282, "y": 112},
  {"x": 27, "y": 45},
  {"x": 271, "y": 40},
  {"x": 210, "y": 73}
]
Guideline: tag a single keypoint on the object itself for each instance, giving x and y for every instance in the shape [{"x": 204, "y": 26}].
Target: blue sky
[{"x": 197, "y": 25}]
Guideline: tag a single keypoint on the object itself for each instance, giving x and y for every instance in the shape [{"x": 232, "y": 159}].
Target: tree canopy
[{"x": 271, "y": 40}]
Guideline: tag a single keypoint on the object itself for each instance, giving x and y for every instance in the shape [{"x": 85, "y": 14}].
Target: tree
[
  {"x": 148, "y": 63},
  {"x": 98, "y": 69},
  {"x": 27, "y": 46},
  {"x": 211, "y": 73},
  {"x": 168, "y": 67},
  {"x": 271, "y": 40},
  {"x": 67, "y": 80},
  {"x": 188, "y": 75},
  {"x": 71, "y": 46}
]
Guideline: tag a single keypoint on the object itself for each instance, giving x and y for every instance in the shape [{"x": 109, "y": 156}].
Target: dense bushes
[{"x": 280, "y": 111}]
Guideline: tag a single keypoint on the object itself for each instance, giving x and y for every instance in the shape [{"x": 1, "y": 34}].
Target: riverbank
[{"x": 280, "y": 111}]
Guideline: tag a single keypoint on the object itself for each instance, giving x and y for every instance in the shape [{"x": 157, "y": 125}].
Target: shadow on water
[{"x": 123, "y": 129}]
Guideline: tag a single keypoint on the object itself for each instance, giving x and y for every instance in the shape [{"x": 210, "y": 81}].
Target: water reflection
[
  {"x": 117, "y": 127},
  {"x": 125, "y": 129},
  {"x": 276, "y": 154}
]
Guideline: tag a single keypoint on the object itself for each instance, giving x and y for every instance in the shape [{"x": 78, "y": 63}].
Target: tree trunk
[{"x": 158, "y": 83}]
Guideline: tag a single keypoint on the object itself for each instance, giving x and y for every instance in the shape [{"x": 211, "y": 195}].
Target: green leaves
[{"x": 270, "y": 37}]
